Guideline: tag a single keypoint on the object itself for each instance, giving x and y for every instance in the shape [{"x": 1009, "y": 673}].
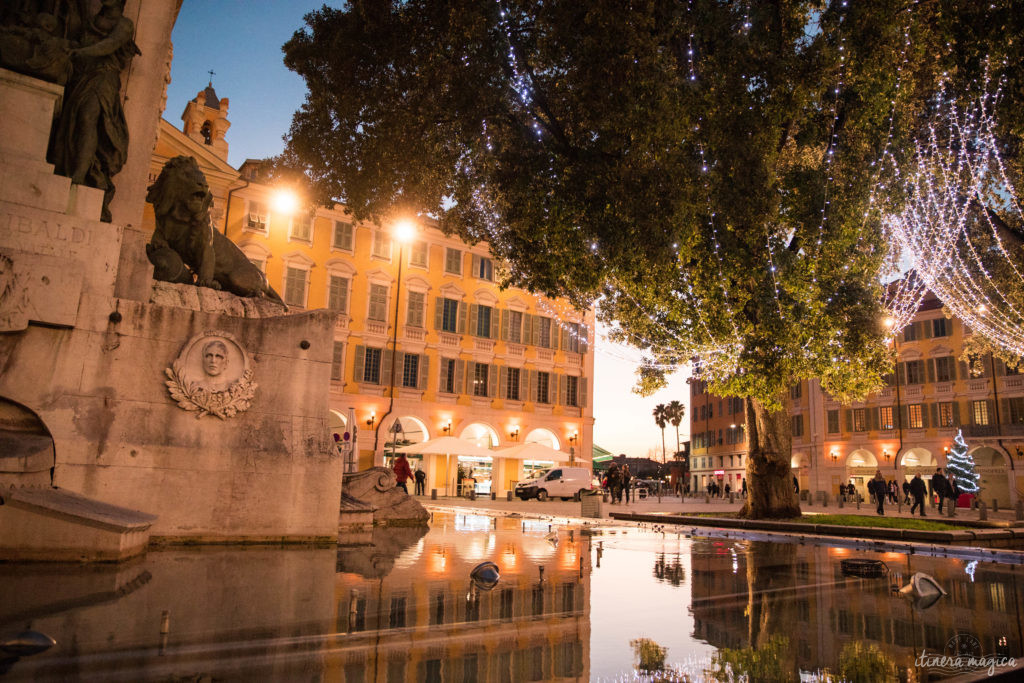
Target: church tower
[{"x": 206, "y": 121}]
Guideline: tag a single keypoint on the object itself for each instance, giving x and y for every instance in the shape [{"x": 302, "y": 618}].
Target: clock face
[{"x": 963, "y": 644}]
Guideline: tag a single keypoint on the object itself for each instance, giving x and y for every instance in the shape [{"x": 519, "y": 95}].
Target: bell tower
[{"x": 206, "y": 120}]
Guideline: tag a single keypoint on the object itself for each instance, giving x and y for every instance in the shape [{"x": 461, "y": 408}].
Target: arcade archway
[
  {"x": 992, "y": 466},
  {"x": 545, "y": 437}
]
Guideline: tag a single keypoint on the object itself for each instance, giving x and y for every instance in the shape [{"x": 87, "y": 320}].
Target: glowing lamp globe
[{"x": 404, "y": 231}]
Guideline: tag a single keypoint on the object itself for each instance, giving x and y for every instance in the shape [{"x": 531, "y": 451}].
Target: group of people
[
  {"x": 914, "y": 490},
  {"x": 403, "y": 473},
  {"x": 617, "y": 482}
]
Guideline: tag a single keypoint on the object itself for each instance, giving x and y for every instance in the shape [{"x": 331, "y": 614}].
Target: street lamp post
[
  {"x": 889, "y": 322},
  {"x": 402, "y": 232}
]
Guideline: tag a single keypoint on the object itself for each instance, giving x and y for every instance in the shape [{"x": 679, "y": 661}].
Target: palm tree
[
  {"x": 661, "y": 419},
  {"x": 675, "y": 412}
]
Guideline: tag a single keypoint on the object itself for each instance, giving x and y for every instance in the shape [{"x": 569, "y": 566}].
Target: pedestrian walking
[
  {"x": 626, "y": 479},
  {"x": 876, "y": 487},
  {"x": 421, "y": 482},
  {"x": 918, "y": 491},
  {"x": 940, "y": 487},
  {"x": 906, "y": 493},
  {"x": 744, "y": 489},
  {"x": 728, "y": 488},
  {"x": 402, "y": 471},
  {"x": 796, "y": 485}
]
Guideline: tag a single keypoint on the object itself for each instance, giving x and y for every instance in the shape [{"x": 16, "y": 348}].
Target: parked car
[{"x": 562, "y": 482}]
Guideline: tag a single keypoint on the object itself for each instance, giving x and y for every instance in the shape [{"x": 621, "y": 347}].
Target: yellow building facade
[{"x": 427, "y": 344}]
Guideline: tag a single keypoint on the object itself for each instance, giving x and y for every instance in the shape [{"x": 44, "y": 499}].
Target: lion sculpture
[{"x": 185, "y": 248}]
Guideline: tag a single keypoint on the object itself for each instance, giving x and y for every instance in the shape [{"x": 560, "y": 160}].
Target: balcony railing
[
  {"x": 414, "y": 334},
  {"x": 516, "y": 350},
  {"x": 977, "y": 385},
  {"x": 376, "y": 327},
  {"x": 545, "y": 354},
  {"x": 453, "y": 341},
  {"x": 485, "y": 345},
  {"x": 1013, "y": 382},
  {"x": 992, "y": 430}
]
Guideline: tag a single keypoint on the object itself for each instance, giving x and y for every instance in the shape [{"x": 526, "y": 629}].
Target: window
[
  {"x": 979, "y": 409},
  {"x": 295, "y": 286},
  {"x": 343, "y": 236},
  {"x": 915, "y": 371},
  {"x": 378, "y": 303},
  {"x": 411, "y": 371},
  {"x": 571, "y": 337},
  {"x": 480, "y": 371},
  {"x": 797, "y": 424},
  {"x": 337, "y": 294},
  {"x": 572, "y": 390},
  {"x": 542, "y": 333},
  {"x": 371, "y": 366},
  {"x": 946, "y": 413},
  {"x": 257, "y": 219},
  {"x": 483, "y": 268},
  {"x": 414, "y": 316},
  {"x": 543, "y": 380},
  {"x": 396, "y": 618},
  {"x": 915, "y": 416},
  {"x": 860, "y": 420},
  {"x": 515, "y": 327},
  {"x": 450, "y": 316},
  {"x": 452, "y": 261},
  {"x": 1015, "y": 410},
  {"x": 512, "y": 386},
  {"x": 337, "y": 361},
  {"x": 944, "y": 368},
  {"x": 885, "y": 417},
  {"x": 301, "y": 228},
  {"x": 448, "y": 369},
  {"x": 418, "y": 254},
  {"x": 941, "y": 327},
  {"x": 483, "y": 321},
  {"x": 795, "y": 390},
  {"x": 381, "y": 246},
  {"x": 910, "y": 333},
  {"x": 711, "y": 411}
]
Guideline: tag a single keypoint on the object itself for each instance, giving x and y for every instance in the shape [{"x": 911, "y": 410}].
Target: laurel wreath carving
[{"x": 223, "y": 404}]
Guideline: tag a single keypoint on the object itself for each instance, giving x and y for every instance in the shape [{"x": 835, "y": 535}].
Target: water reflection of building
[
  {"x": 800, "y": 592},
  {"x": 424, "y": 621}
]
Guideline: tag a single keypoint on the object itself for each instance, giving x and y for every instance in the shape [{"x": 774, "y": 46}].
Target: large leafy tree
[{"x": 702, "y": 170}]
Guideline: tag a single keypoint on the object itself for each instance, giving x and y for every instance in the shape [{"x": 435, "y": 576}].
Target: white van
[{"x": 562, "y": 482}]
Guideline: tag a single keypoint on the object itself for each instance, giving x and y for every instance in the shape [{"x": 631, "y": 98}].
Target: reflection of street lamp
[{"x": 402, "y": 232}]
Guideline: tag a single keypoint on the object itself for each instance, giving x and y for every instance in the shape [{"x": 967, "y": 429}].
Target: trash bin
[{"x": 590, "y": 505}]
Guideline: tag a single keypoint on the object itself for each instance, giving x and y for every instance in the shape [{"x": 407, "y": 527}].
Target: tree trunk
[
  {"x": 663, "y": 457},
  {"x": 770, "y": 492},
  {"x": 677, "y": 440}
]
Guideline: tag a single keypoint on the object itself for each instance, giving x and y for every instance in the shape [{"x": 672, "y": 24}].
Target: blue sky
[{"x": 241, "y": 42}]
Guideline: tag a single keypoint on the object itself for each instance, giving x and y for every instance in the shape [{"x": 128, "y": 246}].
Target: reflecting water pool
[{"x": 599, "y": 602}]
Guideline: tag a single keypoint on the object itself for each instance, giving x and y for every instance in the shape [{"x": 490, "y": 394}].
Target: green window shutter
[
  {"x": 563, "y": 334},
  {"x": 470, "y": 377},
  {"x": 438, "y": 313},
  {"x": 357, "y": 370},
  {"x": 443, "y": 376},
  {"x": 956, "y": 414},
  {"x": 463, "y": 314},
  {"x": 474, "y": 312},
  {"x": 494, "y": 323},
  {"x": 926, "y": 329},
  {"x": 492, "y": 380},
  {"x": 924, "y": 416},
  {"x": 532, "y": 396},
  {"x": 849, "y": 420},
  {"x": 504, "y": 325},
  {"x": 460, "y": 376},
  {"x": 387, "y": 358},
  {"x": 903, "y": 416},
  {"x": 934, "y": 410},
  {"x": 582, "y": 398},
  {"x": 963, "y": 370},
  {"x": 502, "y": 382},
  {"x": 1004, "y": 411},
  {"x": 476, "y": 265},
  {"x": 991, "y": 411},
  {"x": 563, "y": 388},
  {"x": 584, "y": 338},
  {"x": 1000, "y": 368},
  {"x": 873, "y": 419},
  {"x": 931, "y": 369},
  {"x": 524, "y": 385},
  {"x": 902, "y": 373},
  {"x": 421, "y": 382}
]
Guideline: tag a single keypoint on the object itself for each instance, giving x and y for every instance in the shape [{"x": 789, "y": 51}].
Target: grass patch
[{"x": 853, "y": 520}]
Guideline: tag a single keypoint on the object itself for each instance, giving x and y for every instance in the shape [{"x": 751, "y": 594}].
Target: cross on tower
[{"x": 211, "y": 72}]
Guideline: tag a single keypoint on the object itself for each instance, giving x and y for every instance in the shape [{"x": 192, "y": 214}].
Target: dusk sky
[{"x": 241, "y": 42}]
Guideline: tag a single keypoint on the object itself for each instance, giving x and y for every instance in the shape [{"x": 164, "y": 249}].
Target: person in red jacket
[{"x": 402, "y": 471}]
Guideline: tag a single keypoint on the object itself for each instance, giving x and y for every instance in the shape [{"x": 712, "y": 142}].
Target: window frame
[
  {"x": 370, "y": 303},
  {"x": 915, "y": 416},
  {"x": 979, "y": 413},
  {"x": 289, "y": 268},
  {"x": 450, "y": 306},
  {"x": 263, "y": 217},
  {"x": 351, "y": 236},
  {"x": 413, "y": 360},
  {"x": 379, "y": 240},
  {"x": 377, "y": 364},
  {"x": 453, "y": 256}
]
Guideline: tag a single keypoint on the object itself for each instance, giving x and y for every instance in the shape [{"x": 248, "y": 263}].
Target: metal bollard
[
  {"x": 472, "y": 494},
  {"x": 1020, "y": 511},
  {"x": 707, "y": 499},
  {"x": 995, "y": 505},
  {"x": 858, "y": 502},
  {"x": 494, "y": 495},
  {"x": 951, "y": 512},
  {"x": 433, "y": 494},
  {"x": 730, "y": 496},
  {"x": 840, "y": 500},
  {"x": 508, "y": 495},
  {"x": 982, "y": 511}
]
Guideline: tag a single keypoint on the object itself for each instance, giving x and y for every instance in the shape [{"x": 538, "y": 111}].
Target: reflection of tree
[
  {"x": 864, "y": 663},
  {"x": 771, "y": 608},
  {"x": 768, "y": 662},
  {"x": 648, "y": 655},
  {"x": 669, "y": 570}
]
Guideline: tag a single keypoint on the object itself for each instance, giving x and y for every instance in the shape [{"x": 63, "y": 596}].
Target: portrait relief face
[{"x": 215, "y": 358}]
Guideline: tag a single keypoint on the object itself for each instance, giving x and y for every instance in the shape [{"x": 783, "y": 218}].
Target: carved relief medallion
[
  {"x": 13, "y": 298},
  {"x": 212, "y": 376}
]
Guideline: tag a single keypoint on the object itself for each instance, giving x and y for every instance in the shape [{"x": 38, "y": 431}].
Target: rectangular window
[
  {"x": 941, "y": 327},
  {"x": 418, "y": 254},
  {"x": 915, "y": 416},
  {"x": 337, "y": 295},
  {"x": 483, "y": 321},
  {"x": 381, "y": 247},
  {"x": 944, "y": 368},
  {"x": 450, "y": 319},
  {"x": 448, "y": 375},
  {"x": 343, "y": 236},
  {"x": 915, "y": 371},
  {"x": 452, "y": 261},
  {"x": 337, "y": 361},
  {"x": 295, "y": 287},
  {"x": 885, "y": 417},
  {"x": 378, "y": 303},
  {"x": 480, "y": 371},
  {"x": 515, "y": 327},
  {"x": 795, "y": 390},
  {"x": 543, "y": 380},
  {"x": 301, "y": 228},
  {"x": 512, "y": 389},
  {"x": 572, "y": 335},
  {"x": 798, "y": 425},
  {"x": 1016, "y": 410},
  {"x": 396, "y": 619},
  {"x": 484, "y": 268},
  {"x": 544, "y": 336},
  {"x": 572, "y": 390},
  {"x": 257, "y": 219},
  {"x": 946, "y": 413},
  {"x": 417, "y": 302},
  {"x": 910, "y": 333},
  {"x": 411, "y": 371},
  {"x": 979, "y": 409},
  {"x": 860, "y": 420},
  {"x": 371, "y": 366}
]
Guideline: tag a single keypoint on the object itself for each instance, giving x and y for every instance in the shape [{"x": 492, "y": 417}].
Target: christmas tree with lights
[{"x": 961, "y": 466}]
